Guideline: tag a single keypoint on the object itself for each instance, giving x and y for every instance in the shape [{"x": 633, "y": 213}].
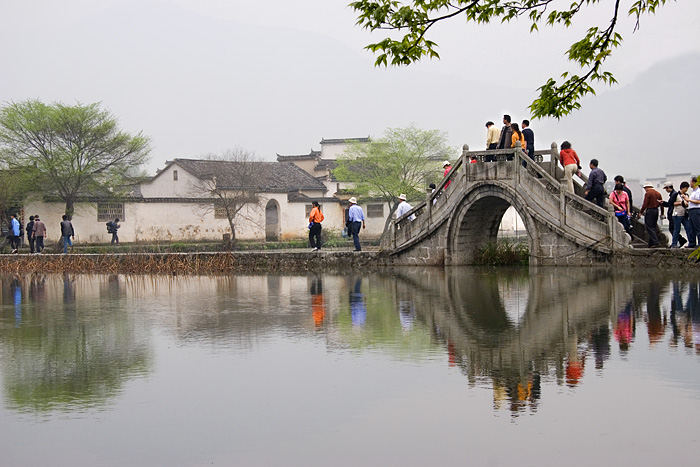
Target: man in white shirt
[{"x": 404, "y": 207}]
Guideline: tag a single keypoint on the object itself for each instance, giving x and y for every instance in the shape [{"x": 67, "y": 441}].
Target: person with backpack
[{"x": 112, "y": 228}]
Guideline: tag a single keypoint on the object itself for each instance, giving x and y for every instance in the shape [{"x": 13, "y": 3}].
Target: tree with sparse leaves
[
  {"x": 78, "y": 151},
  {"x": 397, "y": 163},
  {"x": 234, "y": 186},
  {"x": 413, "y": 20}
]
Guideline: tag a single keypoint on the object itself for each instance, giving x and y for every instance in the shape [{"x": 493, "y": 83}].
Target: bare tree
[{"x": 229, "y": 185}]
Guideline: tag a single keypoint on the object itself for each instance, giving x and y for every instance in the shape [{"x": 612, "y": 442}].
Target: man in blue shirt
[
  {"x": 595, "y": 186},
  {"x": 356, "y": 219},
  {"x": 14, "y": 232}
]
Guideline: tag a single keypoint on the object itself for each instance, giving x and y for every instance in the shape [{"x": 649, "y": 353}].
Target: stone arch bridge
[{"x": 462, "y": 216}]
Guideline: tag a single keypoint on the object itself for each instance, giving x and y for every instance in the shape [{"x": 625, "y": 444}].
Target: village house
[{"x": 185, "y": 201}]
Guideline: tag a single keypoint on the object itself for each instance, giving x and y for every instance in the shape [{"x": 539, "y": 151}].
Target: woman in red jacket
[{"x": 571, "y": 163}]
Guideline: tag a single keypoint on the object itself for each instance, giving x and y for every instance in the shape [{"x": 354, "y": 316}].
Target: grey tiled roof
[
  {"x": 345, "y": 140},
  {"x": 271, "y": 177}
]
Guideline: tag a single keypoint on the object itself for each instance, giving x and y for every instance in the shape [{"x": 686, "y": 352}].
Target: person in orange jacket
[{"x": 315, "y": 219}]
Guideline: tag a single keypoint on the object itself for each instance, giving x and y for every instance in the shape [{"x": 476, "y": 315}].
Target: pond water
[{"x": 458, "y": 366}]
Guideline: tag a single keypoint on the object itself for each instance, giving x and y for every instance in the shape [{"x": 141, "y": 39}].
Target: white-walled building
[{"x": 177, "y": 205}]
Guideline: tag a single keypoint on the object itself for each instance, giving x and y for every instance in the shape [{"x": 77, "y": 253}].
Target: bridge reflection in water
[
  {"x": 515, "y": 329},
  {"x": 76, "y": 340}
]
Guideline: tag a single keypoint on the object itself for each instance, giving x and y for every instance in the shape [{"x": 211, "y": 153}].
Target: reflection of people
[
  {"x": 318, "y": 309},
  {"x": 17, "y": 294},
  {"x": 406, "y": 314},
  {"x": 358, "y": 307},
  {"x": 624, "y": 330}
]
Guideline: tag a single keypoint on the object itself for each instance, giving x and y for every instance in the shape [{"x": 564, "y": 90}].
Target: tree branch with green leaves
[{"x": 413, "y": 19}]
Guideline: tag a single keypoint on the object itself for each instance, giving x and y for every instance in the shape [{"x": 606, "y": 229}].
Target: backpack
[{"x": 110, "y": 227}]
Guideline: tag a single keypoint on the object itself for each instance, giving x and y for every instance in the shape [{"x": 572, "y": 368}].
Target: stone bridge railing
[{"x": 538, "y": 187}]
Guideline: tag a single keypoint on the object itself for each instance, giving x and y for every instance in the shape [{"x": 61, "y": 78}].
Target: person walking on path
[
  {"x": 680, "y": 216},
  {"x": 67, "y": 233},
  {"x": 694, "y": 214},
  {"x": 14, "y": 233},
  {"x": 595, "y": 186},
  {"x": 650, "y": 211},
  {"x": 113, "y": 228},
  {"x": 315, "y": 219},
  {"x": 356, "y": 220},
  {"x": 29, "y": 229},
  {"x": 571, "y": 163},
  {"x": 39, "y": 233}
]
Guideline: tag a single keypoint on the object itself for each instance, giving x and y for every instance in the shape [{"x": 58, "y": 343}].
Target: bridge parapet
[{"x": 466, "y": 208}]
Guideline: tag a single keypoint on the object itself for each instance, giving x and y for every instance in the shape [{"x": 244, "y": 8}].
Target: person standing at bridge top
[
  {"x": 356, "y": 220},
  {"x": 650, "y": 211},
  {"x": 595, "y": 186},
  {"x": 571, "y": 163},
  {"x": 493, "y": 134},
  {"x": 529, "y": 136},
  {"x": 504, "y": 141}
]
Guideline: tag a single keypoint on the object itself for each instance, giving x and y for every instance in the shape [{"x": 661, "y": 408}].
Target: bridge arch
[{"x": 477, "y": 218}]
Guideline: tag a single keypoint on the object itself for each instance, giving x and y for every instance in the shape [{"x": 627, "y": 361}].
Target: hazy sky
[{"x": 200, "y": 76}]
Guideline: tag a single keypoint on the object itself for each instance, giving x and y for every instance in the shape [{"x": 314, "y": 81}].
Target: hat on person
[
  {"x": 353, "y": 200},
  {"x": 446, "y": 163},
  {"x": 668, "y": 185},
  {"x": 402, "y": 197},
  {"x": 648, "y": 185}
]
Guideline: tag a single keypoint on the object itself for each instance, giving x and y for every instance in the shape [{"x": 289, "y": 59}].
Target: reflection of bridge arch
[
  {"x": 469, "y": 308},
  {"x": 477, "y": 218}
]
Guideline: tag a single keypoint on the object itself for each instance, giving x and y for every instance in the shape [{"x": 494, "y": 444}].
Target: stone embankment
[
  {"x": 279, "y": 261},
  {"x": 194, "y": 263}
]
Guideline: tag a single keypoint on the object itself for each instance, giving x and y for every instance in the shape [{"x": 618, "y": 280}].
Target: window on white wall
[
  {"x": 375, "y": 210},
  {"x": 175, "y": 175},
  {"x": 110, "y": 211}
]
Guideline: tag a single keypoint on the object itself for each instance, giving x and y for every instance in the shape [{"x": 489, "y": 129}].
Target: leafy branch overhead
[{"x": 413, "y": 20}]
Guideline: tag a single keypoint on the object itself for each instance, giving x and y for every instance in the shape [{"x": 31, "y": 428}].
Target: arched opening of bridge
[{"x": 486, "y": 216}]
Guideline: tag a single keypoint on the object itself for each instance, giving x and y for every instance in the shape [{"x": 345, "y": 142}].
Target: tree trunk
[{"x": 70, "y": 207}]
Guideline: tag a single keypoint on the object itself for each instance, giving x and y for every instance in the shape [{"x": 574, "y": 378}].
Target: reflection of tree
[{"x": 77, "y": 352}]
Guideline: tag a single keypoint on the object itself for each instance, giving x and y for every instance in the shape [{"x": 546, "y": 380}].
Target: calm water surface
[{"x": 416, "y": 367}]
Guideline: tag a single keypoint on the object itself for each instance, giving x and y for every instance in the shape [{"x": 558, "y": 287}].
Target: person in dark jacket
[
  {"x": 67, "y": 233},
  {"x": 595, "y": 186},
  {"x": 29, "y": 230}
]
